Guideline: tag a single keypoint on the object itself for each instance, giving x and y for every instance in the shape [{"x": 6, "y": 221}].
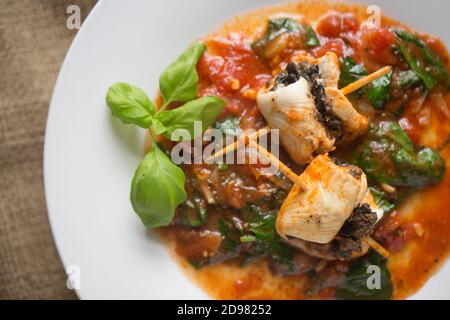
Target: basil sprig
[
  {"x": 179, "y": 81},
  {"x": 205, "y": 109},
  {"x": 130, "y": 104},
  {"x": 158, "y": 184},
  {"x": 157, "y": 189}
]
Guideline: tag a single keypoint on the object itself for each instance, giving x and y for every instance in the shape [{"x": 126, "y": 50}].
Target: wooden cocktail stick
[
  {"x": 366, "y": 80},
  {"x": 281, "y": 166},
  {"x": 346, "y": 90},
  {"x": 378, "y": 248},
  {"x": 298, "y": 181},
  {"x": 238, "y": 143}
]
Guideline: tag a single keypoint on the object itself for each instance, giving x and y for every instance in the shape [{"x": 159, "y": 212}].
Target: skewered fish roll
[
  {"x": 311, "y": 113},
  {"x": 333, "y": 217},
  {"x": 292, "y": 110}
]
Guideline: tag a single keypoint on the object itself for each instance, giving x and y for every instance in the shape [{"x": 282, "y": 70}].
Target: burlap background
[{"x": 33, "y": 42}]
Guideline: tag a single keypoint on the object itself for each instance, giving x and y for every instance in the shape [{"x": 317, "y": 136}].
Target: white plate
[{"x": 90, "y": 158}]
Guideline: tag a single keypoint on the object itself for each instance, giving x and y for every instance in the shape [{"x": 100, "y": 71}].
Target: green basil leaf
[
  {"x": 179, "y": 81},
  {"x": 158, "y": 126},
  {"x": 130, "y": 104},
  {"x": 355, "y": 285},
  {"x": 157, "y": 189},
  {"x": 204, "y": 109},
  {"x": 378, "y": 91}
]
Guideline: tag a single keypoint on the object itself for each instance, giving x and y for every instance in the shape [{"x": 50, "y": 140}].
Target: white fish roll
[
  {"x": 292, "y": 110},
  {"x": 331, "y": 194}
]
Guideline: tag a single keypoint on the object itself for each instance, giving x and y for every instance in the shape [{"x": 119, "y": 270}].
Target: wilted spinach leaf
[
  {"x": 387, "y": 155},
  {"x": 262, "y": 226},
  {"x": 408, "y": 78},
  {"x": 423, "y": 61},
  {"x": 303, "y": 34},
  {"x": 381, "y": 201},
  {"x": 377, "y": 93},
  {"x": 360, "y": 277},
  {"x": 351, "y": 72},
  {"x": 231, "y": 236},
  {"x": 193, "y": 214}
]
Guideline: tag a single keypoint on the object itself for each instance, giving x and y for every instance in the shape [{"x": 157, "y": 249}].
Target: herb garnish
[{"x": 158, "y": 184}]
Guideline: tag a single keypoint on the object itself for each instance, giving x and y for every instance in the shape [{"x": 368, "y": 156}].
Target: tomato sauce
[{"x": 417, "y": 234}]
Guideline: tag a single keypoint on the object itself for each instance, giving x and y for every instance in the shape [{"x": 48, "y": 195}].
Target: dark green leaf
[
  {"x": 377, "y": 93},
  {"x": 311, "y": 37},
  {"x": 408, "y": 78},
  {"x": 263, "y": 228},
  {"x": 428, "y": 65},
  {"x": 231, "y": 236},
  {"x": 130, "y": 104},
  {"x": 355, "y": 286},
  {"x": 413, "y": 63},
  {"x": 276, "y": 27},
  {"x": 351, "y": 72},
  {"x": 195, "y": 215},
  {"x": 381, "y": 201},
  {"x": 303, "y": 33},
  {"x": 179, "y": 81},
  {"x": 204, "y": 109},
  {"x": 157, "y": 189},
  {"x": 387, "y": 155}
]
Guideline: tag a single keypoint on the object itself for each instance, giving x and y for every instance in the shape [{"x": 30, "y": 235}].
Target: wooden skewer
[
  {"x": 378, "y": 248},
  {"x": 236, "y": 144},
  {"x": 288, "y": 173},
  {"x": 281, "y": 166},
  {"x": 366, "y": 80},
  {"x": 296, "y": 179},
  {"x": 346, "y": 90}
]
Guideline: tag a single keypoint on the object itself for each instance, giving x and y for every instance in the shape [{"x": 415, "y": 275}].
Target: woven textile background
[{"x": 33, "y": 42}]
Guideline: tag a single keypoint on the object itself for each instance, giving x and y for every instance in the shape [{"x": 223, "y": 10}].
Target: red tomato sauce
[{"x": 417, "y": 234}]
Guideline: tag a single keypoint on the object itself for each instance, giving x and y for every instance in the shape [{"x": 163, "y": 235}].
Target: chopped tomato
[
  {"x": 336, "y": 24},
  {"x": 335, "y": 45},
  {"x": 228, "y": 68},
  {"x": 393, "y": 233},
  {"x": 376, "y": 44},
  {"x": 395, "y": 240}
]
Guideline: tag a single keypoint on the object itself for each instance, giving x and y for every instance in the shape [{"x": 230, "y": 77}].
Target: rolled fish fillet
[
  {"x": 308, "y": 109},
  {"x": 292, "y": 110},
  {"x": 329, "y": 69},
  {"x": 317, "y": 214},
  {"x": 352, "y": 241}
]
